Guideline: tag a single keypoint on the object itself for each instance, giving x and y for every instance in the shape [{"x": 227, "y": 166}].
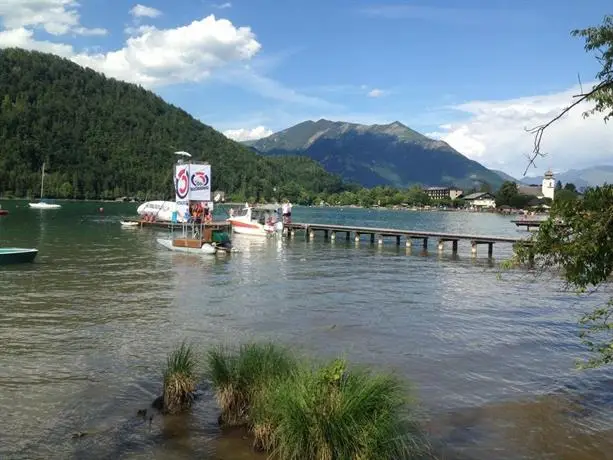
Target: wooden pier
[
  {"x": 219, "y": 225},
  {"x": 528, "y": 223},
  {"x": 378, "y": 234}
]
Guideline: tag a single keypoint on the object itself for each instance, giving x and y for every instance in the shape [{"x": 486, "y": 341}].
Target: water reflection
[{"x": 87, "y": 329}]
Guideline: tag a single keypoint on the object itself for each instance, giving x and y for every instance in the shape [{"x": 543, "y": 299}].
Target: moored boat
[
  {"x": 3, "y": 212},
  {"x": 262, "y": 220},
  {"x": 42, "y": 204},
  {"x": 17, "y": 255}
]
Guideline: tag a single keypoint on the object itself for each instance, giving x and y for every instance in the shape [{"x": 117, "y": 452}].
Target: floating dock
[
  {"x": 379, "y": 234},
  {"x": 219, "y": 225},
  {"x": 528, "y": 223}
]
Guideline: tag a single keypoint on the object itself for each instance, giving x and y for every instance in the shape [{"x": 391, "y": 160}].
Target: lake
[{"x": 87, "y": 327}]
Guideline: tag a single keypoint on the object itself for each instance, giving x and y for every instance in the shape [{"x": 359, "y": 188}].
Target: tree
[
  {"x": 507, "y": 192},
  {"x": 565, "y": 195},
  {"x": 559, "y": 185},
  {"x": 570, "y": 186},
  {"x": 577, "y": 236}
]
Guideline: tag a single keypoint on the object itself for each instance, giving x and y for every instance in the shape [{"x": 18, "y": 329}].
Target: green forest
[{"x": 101, "y": 139}]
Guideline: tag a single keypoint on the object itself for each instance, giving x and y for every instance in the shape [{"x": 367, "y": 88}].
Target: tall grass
[
  {"x": 331, "y": 413},
  {"x": 238, "y": 376},
  {"x": 179, "y": 379}
]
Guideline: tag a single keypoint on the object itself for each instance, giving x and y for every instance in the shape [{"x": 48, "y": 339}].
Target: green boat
[{"x": 17, "y": 255}]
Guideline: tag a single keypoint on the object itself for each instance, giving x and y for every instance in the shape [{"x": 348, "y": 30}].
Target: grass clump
[
  {"x": 179, "y": 380},
  {"x": 331, "y": 413},
  {"x": 239, "y": 376}
]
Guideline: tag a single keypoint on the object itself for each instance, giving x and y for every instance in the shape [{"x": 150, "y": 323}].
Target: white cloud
[
  {"x": 56, "y": 17},
  {"x": 22, "y": 36},
  {"x": 140, "y": 11},
  {"x": 243, "y": 134},
  {"x": 376, "y": 92},
  {"x": 154, "y": 57},
  {"x": 494, "y": 133},
  {"x": 223, "y": 6}
]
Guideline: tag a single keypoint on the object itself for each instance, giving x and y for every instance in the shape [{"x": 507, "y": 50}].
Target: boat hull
[
  {"x": 206, "y": 249},
  {"x": 254, "y": 229},
  {"x": 3, "y": 212},
  {"x": 44, "y": 206},
  {"x": 10, "y": 256}
]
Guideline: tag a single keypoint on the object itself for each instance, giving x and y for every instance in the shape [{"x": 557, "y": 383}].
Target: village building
[
  {"x": 481, "y": 200},
  {"x": 443, "y": 193}
]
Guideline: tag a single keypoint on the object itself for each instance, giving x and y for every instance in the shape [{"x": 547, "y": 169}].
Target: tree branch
[{"x": 539, "y": 130}]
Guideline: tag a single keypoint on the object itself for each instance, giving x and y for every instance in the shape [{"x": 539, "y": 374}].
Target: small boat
[
  {"x": 17, "y": 255},
  {"x": 192, "y": 246},
  {"x": 128, "y": 223},
  {"x": 3, "y": 212},
  {"x": 42, "y": 204},
  {"x": 263, "y": 220}
]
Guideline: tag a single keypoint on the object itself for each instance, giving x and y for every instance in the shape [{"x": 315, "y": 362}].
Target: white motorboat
[
  {"x": 42, "y": 204},
  {"x": 161, "y": 210},
  {"x": 263, "y": 220},
  {"x": 185, "y": 245}
]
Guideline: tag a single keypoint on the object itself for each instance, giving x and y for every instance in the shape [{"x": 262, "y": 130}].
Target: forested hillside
[{"x": 102, "y": 138}]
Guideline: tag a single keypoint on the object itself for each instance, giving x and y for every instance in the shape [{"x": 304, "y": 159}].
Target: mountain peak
[{"x": 377, "y": 154}]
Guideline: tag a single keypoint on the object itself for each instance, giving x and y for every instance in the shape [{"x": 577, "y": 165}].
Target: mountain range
[
  {"x": 588, "y": 177},
  {"x": 372, "y": 155}
]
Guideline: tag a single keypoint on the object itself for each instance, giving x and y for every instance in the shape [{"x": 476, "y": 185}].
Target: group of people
[{"x": 200, "y": 212}]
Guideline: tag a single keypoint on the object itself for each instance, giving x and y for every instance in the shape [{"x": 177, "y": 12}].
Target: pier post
[
  {"x": 441, "y": 245},
  {"x": 454, "y": 246},
  {"x": 348, "y": 236},
  {"x": 398, "y": 240},
  {"x": 326, "y": 234},
  {"x": 490, "y": 249},
  {"x": 293, "y": 234},
  {"x": 473, "y": 249},
  {"x": 425, "y": 243},
  {"x": 311, "y": 234},
  {"x": 372, "y": 238}
]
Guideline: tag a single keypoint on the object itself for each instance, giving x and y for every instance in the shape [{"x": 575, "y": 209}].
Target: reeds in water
[
  {"x": 238, "y": 376},
  {"x": 332, "y": 413},
  {"x": 179, "y": 379}
]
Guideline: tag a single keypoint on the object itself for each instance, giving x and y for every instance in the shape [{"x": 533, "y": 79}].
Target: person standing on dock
[{"x": 287, "y": 211}]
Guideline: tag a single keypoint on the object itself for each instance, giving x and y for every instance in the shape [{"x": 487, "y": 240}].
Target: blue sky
[{"x": 468, "y": 72}]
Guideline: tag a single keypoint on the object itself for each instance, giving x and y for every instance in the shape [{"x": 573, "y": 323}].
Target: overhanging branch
[{"x": 540, "y": 129}]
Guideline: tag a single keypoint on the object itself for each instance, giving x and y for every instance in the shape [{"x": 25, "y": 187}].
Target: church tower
[{"x": 549, "y": 185}]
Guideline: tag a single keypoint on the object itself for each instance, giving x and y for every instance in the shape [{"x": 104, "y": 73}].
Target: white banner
[
  {"x": 199, "y": 182},
  {"x": 182, "y": 190}
]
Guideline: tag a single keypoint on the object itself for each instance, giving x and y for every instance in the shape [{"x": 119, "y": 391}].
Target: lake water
[{"x": 85, "y": 331}]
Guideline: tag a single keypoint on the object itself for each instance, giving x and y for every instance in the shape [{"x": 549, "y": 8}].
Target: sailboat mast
[{"x": 42, "y": 181}]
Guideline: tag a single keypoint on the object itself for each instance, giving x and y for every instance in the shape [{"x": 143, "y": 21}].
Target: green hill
[
  {"x": 102, "y": 138},
  {"x": 373, "y": 155}
]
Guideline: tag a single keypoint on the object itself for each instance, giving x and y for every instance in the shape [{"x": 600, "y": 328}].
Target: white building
[
  {"x": 481, "y": 200},
  {"x": 549, "y": 185}
]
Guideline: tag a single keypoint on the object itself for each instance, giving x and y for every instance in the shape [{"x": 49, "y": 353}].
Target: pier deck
[
  {"x": 528, "y": 223},
  {"x": 219, "y": 225},
  {"x": 378, "y": 234}
]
